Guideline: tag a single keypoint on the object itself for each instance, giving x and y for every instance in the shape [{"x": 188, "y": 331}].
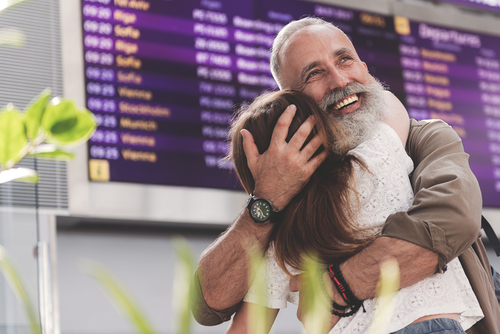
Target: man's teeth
[{"x": 345, "y": 102}]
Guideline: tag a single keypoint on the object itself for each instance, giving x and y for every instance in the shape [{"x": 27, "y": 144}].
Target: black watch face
[{"x": 260, "y": 210}]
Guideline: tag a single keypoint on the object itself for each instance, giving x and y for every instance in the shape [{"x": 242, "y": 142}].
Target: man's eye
[
  {"x": 344, "y": 59},
  {"x": 311, "y": 74}
]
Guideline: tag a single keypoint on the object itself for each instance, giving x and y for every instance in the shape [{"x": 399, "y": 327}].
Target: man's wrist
[
  {"x": 247, "y": 227},
  {"x": 277, "y": 201},
  {"x": 331, "y": 291}
]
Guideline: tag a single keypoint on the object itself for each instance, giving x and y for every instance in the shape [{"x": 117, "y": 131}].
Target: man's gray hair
[{"x": 285, "y": 33}]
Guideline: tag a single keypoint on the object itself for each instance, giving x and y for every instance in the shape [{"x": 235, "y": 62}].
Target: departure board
[
  {"x": 164, "y": 78},
  {"x": 454, "y": 75}
]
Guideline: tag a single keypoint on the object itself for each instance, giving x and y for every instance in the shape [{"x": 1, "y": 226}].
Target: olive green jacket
[{"x": 445, "y": 217}]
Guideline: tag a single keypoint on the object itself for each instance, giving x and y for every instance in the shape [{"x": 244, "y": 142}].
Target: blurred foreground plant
[
  {"x": 59, "y": 123},
  {"x": 387, "y": 288},
  {"x": 316, "y": 320},
  {"x": 12, "y": 37},
  {"x": 4, "y": 4},
  {"x": 17, "y": 285},
  {"x": 185, "y": 266},
  {"x": 44, "y": 130},
  {"x": 120, "y": 299},
  {"x": 318, "y": 317},
  {"x": 257, "y": 314}
]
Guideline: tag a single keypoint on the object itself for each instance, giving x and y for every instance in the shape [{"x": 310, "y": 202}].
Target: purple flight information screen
[{"x": 163, "y": 79}]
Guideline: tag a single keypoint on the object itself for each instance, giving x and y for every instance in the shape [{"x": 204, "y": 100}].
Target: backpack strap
[{"x": 490, "y": 233}]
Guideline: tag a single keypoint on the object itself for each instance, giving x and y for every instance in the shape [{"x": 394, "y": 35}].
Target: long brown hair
[{"x": 322, "y": 217}]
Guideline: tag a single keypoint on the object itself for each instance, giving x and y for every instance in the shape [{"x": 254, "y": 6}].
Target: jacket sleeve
[
  {"x": 445, "y": 215},
  {"x": 203, "y": 314}
]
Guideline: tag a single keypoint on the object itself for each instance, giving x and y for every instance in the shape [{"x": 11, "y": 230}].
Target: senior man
[{"x": 316, "y": 58}]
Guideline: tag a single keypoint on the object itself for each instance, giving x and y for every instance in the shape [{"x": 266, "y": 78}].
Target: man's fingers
[
  {"x": 302, "y": 133},
  {"x": 315, "y": 162},
  {"x": 251, "y": 150},
  {"x": 311, "y": 147},
  {"x": 281, "y": 129}
]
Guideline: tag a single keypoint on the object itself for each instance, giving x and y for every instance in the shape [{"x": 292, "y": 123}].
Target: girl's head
[
  {"x": 321, "y": 218},
  {"x": 260, "y": 118}
]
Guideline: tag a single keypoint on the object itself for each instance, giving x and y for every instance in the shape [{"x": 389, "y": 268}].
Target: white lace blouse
[{"x": 384, "y": 191}]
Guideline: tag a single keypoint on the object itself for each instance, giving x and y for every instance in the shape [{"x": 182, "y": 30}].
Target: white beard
[{"x": 358, "y": 124}]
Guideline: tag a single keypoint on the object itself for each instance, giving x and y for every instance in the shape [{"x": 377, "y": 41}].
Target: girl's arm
[
  {"x": 241, "y": 321},
  {"x": 397, "y": 117}
]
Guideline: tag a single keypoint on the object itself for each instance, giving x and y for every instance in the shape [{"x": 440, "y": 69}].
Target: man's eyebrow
[{"x": 341, "y": 51}]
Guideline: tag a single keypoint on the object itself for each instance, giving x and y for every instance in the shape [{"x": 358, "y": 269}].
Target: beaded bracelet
[{"x": 353, "y": 310}]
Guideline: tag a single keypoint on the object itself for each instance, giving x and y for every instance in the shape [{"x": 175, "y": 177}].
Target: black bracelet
[
  {"x": 342, "y": 286},
  {"x": 334, "y": 305},
  {"x": 345, "y": 291},
  {"x": 339, "y": 307},
  {"x": 353, "y": 310}
]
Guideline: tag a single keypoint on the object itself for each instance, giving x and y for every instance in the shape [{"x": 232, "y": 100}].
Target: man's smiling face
[{"x": 320, "y": 59}]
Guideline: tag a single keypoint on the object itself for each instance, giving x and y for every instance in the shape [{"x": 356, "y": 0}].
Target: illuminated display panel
[
  {"x": 163, "y": 78},
  {"x": 455, "y": 76}
]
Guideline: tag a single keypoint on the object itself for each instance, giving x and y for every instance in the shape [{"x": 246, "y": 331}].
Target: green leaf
[
  {"x": 4, "y": 4},
  {"x": 118, "y": 296},
  {"x": 19, "y": 174},
  {"x": 17, "y": 285},
  {"x": 12, "y": 37},
  {"x": 66, "y": 124},
  {"x": 57, "y": 114},
  {"x": 34, "y": 112},
  {"x": 50, "y": 151},
  {"x": 12, "y": 136},
  {"x": 183, "y": 295},
  {"x": 56, "y": 155}
]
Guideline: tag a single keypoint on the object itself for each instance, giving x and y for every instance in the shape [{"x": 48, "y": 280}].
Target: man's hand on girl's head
[{"x": 283, "y": 170}]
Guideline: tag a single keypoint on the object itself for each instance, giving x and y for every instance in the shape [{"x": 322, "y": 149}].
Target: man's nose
[{"x": 337, "y": 79}]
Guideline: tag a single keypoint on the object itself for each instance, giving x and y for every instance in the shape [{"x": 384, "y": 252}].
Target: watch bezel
[
  {"x": 269, "y": 210},
  {"x": 250, "y": 204}
]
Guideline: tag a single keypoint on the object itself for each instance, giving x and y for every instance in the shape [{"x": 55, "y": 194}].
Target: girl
[{"x": 342, "y": 209}]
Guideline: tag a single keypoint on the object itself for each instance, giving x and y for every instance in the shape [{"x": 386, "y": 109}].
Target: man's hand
[
  {"x": 283, "y": 170},
  {"x": 296, "y": 284}
]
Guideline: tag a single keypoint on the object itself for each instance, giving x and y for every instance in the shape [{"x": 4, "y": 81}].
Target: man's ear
[{"x": 364, "y": 64}]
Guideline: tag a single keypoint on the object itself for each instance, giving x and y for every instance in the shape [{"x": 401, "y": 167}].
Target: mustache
[{"x": 338, "y": 94}]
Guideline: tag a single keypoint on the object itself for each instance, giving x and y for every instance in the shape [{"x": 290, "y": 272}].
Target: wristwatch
[{"x": 261, "y": 210}]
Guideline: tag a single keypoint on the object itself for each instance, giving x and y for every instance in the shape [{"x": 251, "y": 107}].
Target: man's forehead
[
  {"x": 327, "y": 35},
  {"x": 317, "y": 29}
]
